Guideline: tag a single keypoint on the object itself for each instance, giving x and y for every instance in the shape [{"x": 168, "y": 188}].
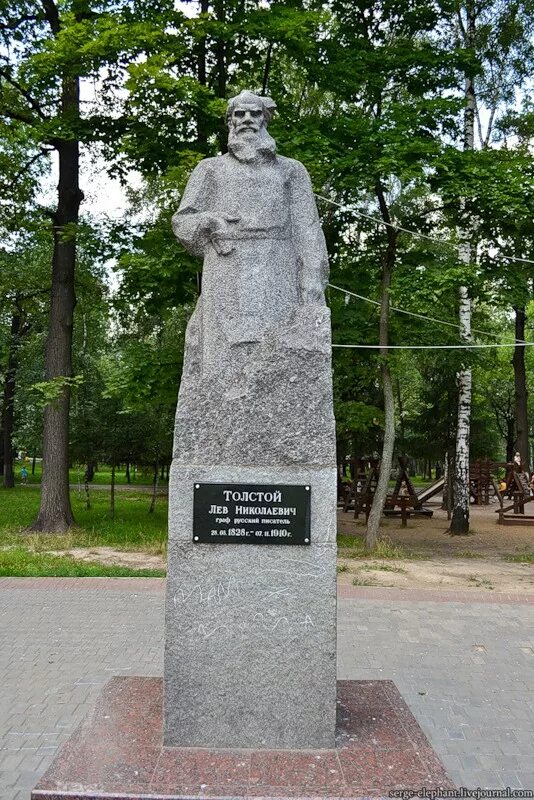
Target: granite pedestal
[
  {"x": 250, "y": 654},
  {"x": 117, "y": 752}
]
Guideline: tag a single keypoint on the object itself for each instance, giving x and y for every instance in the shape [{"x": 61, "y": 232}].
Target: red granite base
[{"x": 117, "y": 752}]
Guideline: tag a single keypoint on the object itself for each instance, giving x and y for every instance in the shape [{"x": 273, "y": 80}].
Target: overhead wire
[
  {"x": 426, "y": 317},
  {"x": 412, "y": 313},
  {"x": 432, "y": 346},
  {"x": 379, "y": 221}
]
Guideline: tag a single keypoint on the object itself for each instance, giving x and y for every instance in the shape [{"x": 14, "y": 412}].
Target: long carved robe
[
  {"x": 256, "y": 384},
  {"x": 270, "y": 258}
]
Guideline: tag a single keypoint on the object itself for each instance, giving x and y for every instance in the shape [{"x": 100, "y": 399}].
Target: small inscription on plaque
[{"x": 230, "y": 513}]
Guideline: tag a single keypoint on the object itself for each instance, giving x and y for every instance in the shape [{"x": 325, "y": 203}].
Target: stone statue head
[
  {"x": 248, "y": 115},
  {"x": 249, "y": 111}
]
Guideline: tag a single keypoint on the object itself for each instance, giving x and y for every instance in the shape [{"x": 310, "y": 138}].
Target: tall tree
[
  {"x": 521, "y": 392},
  {"x": 48, "y": 49},
  {"x": 388, "y": 263},
  {"x": 461, "y": 493}
]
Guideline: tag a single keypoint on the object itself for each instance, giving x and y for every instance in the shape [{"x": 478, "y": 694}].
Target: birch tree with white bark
[{"x": 497, "y": 39}]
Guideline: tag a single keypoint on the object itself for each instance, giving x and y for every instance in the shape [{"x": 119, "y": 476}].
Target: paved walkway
[{"x": 466, "y": 669}]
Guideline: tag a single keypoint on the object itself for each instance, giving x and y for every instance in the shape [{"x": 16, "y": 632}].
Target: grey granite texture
[
  {"x": 250, "y": 657},
  {"x": 270, "y": 402}
]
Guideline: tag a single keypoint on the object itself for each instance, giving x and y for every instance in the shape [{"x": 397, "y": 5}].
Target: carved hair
[{"x": 268, "y": 106}]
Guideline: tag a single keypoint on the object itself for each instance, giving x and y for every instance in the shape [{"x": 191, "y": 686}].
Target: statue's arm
[
  {"x": 308, "y": 236},
  {"x": 195, "y": 223}
]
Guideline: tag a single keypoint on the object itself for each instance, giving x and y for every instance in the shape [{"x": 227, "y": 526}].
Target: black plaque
[{"x": 236, "y": 513}]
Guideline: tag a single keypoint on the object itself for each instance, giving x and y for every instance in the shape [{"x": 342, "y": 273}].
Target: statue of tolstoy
[{"x": 251, "y": 215}]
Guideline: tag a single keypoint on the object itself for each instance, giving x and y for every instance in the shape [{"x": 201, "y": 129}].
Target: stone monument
[{"x": 250, "y": 657}]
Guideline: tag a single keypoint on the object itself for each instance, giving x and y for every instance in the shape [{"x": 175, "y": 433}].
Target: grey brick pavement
[{"x": 465, "y": 670}]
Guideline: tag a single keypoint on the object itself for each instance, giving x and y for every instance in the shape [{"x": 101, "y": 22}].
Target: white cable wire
[
  {"x": 412, "y": 313},
  {"x": 407, "y": 230},
  {"x": 432, "y": 346}
]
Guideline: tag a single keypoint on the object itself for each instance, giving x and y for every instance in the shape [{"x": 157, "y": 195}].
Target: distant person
[{"x": 24, "y": 476}]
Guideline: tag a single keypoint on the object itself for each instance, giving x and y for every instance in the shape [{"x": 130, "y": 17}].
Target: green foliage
[
  {"x": 521, "y": 558},
  {"x": 50, "y": 391},
  {"x": 367, "y": 92}
]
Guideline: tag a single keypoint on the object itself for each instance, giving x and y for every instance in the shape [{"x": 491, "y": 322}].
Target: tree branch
[
  {"x": 7, "y": 186},
  {"x": 13, "y": 24},
  {"x": 461, "y": 24},
  {"x": 489, "y": 130},
  {"x": 4, "y": 73},
  {"x": 18, "y": 116},
  {"x": 479, "y": 124},
  {"x": 52, "y": 15}
]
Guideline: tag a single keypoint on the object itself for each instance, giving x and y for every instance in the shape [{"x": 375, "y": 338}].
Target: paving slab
[{"x": 62, "y": 639}]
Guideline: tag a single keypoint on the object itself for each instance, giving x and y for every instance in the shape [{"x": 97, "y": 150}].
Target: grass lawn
[
  {"x": 354, "y": 547},
  {"x": 133, "y": 528},
  {"x": 103, "y": 476},
  {"x": 21, "y": 562}
]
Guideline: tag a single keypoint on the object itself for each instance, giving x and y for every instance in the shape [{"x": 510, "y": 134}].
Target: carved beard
[{"x": 250, "y": 147}]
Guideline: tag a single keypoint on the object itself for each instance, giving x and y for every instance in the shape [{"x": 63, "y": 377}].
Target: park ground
[{"x": 133, "y": 543}]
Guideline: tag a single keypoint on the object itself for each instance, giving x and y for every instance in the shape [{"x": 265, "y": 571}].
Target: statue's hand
[
  {"x": 215, "y": 224},
  {"x": 217, "y": 227}
]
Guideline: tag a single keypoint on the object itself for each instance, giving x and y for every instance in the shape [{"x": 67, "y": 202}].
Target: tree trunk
[
  {"x": 267, "y": 70},
  {"x": 87, "y": 493},
  {"x": 521, "y": 394},
  {"x": 55, "y": 513},
  {"x": 221, "y": 82},
  {"x": 510, "y": 439},
  {"x": 202, "y": 133},
  {"x": 33, "y": 463},
  {"x": 90, "y": 471},
  {"x": 446, "y": 473},
  {"x": 401, "y": 419},
  {"x": 9, "y": 401},
  {"x": 379, "y": 499},
  {"x": 450, "y": 487},
  {"x": 460, "y": 514},
  {"x": 128, "y": 476},
  {"x": 112, "y": 497},
  {"x": 155, "y": 485}
]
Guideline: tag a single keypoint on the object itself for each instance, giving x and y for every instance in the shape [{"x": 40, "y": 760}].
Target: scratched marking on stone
[
  {"x": 229, "y": 592},
  {"x": 206, "y": 634},
  {"x": 219, "y": 593},
  {"x": 284, "y": 592},
  {"x": 257, "y": 622}
]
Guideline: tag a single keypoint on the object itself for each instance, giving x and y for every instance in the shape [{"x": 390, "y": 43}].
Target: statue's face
[{"x": 247, "y": 117}]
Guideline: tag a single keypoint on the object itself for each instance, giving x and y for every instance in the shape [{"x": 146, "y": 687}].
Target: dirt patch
[
  {"x": 115, "y": 558},
  {"x": 443, "y": 561},
  {"x": 429, "y": 538},
  {"x": 495, "y": 576}
]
